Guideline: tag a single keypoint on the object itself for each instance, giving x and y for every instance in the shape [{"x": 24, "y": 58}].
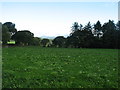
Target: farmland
[{"x": 36, "y": 67}]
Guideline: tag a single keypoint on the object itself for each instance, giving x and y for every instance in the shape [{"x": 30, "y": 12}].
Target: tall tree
[
  {"x": 88, "y": 27},
  {"x": 45, "y": 42},
  {"x": 59, "y": 41},
  {"x": 97, "y": 28},
  {"x": 36, "y": 41},
  {"x": 23, "y": 37},
  {"x": 5, "y": 34},
  {"x": 80, "y": 27},
  {"x": 118, "y": 25},
  {"x": 75, "y": 27},
  {"x": 108, "y": 27},
  {"x": 109, "y": 39},
  {"x": 80, "y": 39},
  {"x": 117, "y": 35},
  {"x": 11, "y": 27}
]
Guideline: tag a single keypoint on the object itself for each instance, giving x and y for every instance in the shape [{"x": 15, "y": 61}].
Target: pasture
[{"x": 36, "y": 67}]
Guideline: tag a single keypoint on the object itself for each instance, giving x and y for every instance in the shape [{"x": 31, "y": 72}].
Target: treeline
[
  {"x": 89, "y": 36},
  {"x": 22, "y": 37}
]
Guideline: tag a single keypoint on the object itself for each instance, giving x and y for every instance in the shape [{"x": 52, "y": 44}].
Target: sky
[
  {"x": 56, "y": 18},
  {"x": 119, "y": 10}
]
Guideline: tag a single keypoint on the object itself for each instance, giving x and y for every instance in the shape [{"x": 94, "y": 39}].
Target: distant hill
[{"x": 49, "y": 37}]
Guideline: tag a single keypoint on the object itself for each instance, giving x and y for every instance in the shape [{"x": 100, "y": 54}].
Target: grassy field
[{"x": 36, "y": 67}]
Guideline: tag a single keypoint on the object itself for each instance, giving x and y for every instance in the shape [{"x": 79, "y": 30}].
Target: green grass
[{"x": 36, "y": 67}]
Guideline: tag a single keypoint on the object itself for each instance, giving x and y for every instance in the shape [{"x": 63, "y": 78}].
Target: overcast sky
[{"x": 56, "y": 18}]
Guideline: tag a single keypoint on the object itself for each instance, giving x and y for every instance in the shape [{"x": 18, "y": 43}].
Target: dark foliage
[
  {"x": 23, "y": 37},
  {"x": 59, "y": 41},
  {"x": 89, "y": 36},
  {"x": 45, "y": 42},
  {"x": 106, "y": 36}
]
